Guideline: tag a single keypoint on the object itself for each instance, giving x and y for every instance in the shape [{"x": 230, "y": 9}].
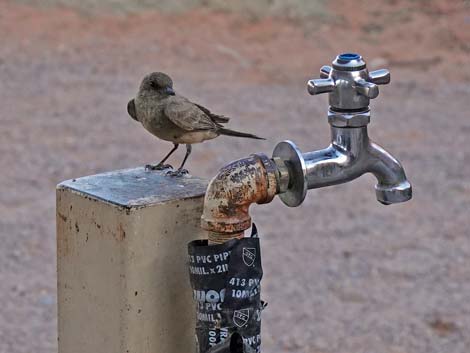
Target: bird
[{"x": 172, "y": 117}]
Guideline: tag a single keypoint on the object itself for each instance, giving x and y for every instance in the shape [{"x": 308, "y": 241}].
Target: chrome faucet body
[{"x": 351, "y": 153}]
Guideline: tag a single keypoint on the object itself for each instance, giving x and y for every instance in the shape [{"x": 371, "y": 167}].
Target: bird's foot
[
  {"x": 158, "y": 166},
  {"x": 177, "y": 173}
]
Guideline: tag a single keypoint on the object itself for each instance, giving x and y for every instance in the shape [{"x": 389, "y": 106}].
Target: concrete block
[{"x": 123, "y": 284}]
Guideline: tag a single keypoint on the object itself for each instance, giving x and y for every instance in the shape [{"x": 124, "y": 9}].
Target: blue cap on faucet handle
[
  {"x": 349, "y": 62},
  {"x": 347, "y": 57}
]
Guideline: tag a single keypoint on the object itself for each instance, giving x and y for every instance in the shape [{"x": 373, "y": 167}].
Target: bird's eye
[{"x": 153, "y": 84}]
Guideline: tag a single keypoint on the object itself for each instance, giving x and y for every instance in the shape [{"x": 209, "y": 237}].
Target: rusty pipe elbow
[{"x": 231, "y": 192}]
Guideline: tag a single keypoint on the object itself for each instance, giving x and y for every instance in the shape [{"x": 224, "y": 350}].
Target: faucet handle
[
  {"x": 321, "y": 85},
  {"x": 325, "y": 71},
  {"x": 349, "y": 84},
  {"x": 380, "y": 77},
  {"x": 368, "y": 89}
]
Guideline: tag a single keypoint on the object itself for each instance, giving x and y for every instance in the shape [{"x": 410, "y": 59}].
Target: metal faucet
[
  {"x": 351, "y": 153},
  {"x": 290, "y": 173}
]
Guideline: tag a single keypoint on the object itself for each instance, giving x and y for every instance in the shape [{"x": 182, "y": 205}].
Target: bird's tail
[{"x": 229, "y": 132}]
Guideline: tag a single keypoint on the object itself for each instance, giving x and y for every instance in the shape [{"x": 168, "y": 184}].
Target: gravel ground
[{"x": 342, "y": 272}]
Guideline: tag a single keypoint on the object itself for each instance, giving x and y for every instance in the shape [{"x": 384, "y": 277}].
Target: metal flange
[{"x": 290, "y": 154}]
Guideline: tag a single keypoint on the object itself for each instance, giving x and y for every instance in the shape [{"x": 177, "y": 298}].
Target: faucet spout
[
  {"x": 349, "y": 155},
  {"x": 392, "y": 186}
]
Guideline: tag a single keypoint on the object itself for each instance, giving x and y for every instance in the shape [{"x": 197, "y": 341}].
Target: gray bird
[{"x": 174, "y": 118}]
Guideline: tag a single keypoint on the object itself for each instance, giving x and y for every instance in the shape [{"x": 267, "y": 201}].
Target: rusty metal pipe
[{"x": 231, "y": 192}]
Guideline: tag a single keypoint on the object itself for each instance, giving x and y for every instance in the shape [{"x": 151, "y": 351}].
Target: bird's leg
[
  {"x": 161, "y": 165},
  {"x": 180, "y": 171}
]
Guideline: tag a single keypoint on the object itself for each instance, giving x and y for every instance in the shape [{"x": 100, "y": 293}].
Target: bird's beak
[{"x": 170, "y": 91}]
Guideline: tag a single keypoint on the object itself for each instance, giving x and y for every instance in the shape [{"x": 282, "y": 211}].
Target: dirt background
[{"x": 343, "y": 274}]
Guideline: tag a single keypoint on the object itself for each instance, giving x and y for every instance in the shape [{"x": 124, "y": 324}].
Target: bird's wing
[
  {"x": 214, "y": 117},
  {"x": 187, "y": 115},
  {"x": 131, "y": 109}
]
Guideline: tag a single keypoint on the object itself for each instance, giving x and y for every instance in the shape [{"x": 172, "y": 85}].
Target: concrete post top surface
[{"x": 136, "y": 187}]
